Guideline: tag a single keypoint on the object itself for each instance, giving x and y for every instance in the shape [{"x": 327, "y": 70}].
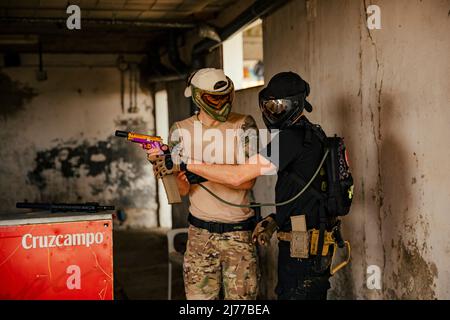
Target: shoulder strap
[
  {"x": 317, "y": 196},
  {"x": 301, "y": 182}
]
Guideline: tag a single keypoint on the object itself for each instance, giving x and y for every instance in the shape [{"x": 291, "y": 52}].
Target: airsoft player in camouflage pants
[
  {"x": 220, "y": 256},
  {"x": 213, "y": 259}
]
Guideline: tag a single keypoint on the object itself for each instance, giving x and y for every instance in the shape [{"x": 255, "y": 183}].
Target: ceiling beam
[{"x": 103, "y": 22}]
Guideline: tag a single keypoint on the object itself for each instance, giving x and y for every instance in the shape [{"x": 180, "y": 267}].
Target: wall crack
[{"x": 376, "y": 131}]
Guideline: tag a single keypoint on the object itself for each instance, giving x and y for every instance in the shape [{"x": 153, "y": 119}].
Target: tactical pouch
[{"x": 300, "y": 238}]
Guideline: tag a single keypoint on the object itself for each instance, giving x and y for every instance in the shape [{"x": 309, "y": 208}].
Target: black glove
[
  {"x": 169, "y": 164},
  {"x": 194, "y": 178}
]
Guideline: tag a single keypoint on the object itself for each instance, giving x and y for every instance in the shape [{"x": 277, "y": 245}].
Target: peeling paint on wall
[
  {"x": 62, "y": 148},
  {"x": 110, "y": 170},
  {"x": 138, "y": 124},
  {"x": 415, "y": 277},
  {"x": 74, "y": 159}
]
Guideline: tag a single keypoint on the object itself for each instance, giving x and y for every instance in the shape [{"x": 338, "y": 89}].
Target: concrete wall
[
  {"x": 387, "y": 92},
  {"x": 58, "y": 139}
]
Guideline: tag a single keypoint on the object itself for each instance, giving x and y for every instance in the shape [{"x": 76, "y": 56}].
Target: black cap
[{"x": 286, "y": 84}]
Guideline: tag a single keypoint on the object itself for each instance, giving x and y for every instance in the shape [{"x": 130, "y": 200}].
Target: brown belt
[
  {"x": 313, "y": 235},
  {"x": 284, "y": 236},
  {"x": 313, "y": 246}
]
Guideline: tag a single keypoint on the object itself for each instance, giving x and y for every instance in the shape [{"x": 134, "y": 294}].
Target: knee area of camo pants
[{"x": 220, "y": 261}]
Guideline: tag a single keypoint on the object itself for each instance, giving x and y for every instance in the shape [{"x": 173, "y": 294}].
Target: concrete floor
[{"x": 140, "y": 266}]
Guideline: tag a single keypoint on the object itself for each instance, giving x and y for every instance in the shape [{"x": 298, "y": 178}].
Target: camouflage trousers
[{"x": 215, "y": 261}]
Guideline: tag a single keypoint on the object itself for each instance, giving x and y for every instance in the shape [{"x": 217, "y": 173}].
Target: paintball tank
[{"x": 151, "y": 142}]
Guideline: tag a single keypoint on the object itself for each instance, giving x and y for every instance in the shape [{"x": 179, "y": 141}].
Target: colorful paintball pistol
[
  {"x": 151, "y": 142},
  {"x": 147, "y": 142}
]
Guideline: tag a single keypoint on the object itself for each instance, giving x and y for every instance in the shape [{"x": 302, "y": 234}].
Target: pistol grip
[
  {"x": 148, "y": 146},
  {"x": 171, "y": 188}
]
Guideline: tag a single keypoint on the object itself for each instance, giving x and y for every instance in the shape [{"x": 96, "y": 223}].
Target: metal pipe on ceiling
[
  {"x": 101, "y": 22},
  {"x": 258, "y": 9}
]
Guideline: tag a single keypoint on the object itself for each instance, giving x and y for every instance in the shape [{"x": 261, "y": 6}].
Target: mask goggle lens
[
  {"x": 276, "y": 108},
  {"x": 217, "y": 101}
]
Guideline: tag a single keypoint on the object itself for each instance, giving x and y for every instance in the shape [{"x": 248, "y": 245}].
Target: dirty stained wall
[
  {"x": 387, "y": 92},
  {"x": 58, "y": 139}
]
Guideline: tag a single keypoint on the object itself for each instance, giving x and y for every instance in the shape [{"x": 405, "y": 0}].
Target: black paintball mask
[{"x": 283, "y": 100}]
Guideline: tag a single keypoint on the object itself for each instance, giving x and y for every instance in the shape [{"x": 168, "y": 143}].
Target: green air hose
[{"x": 277, "y": 204}]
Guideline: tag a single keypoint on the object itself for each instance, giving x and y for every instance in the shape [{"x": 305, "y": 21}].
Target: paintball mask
[
  {"x": 211, "y": 91},
  {"x": 283, "y": 100}
]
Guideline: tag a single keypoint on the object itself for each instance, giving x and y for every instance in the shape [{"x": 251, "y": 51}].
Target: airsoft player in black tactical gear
[{"x": 308, "y": 228}]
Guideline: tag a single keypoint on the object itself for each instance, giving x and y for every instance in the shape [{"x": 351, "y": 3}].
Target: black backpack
[
  {"x": 336, "y": 191},
  {"x": 339, "y": 187}
]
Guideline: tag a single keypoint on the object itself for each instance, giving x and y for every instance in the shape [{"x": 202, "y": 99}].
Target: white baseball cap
[{"x": 209, "y": 79}]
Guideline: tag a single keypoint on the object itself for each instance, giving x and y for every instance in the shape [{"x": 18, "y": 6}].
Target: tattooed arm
[
  {"x": 240, "y": 176},
  {"x": 234, "y": 175},
  {"x": 248, "y": 143}
]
